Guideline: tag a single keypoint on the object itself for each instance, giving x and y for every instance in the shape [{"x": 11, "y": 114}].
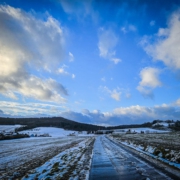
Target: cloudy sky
[{"x": 102, "y": 62}]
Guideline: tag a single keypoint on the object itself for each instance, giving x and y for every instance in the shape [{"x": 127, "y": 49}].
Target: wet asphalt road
[{"x": 110, "y": 161}]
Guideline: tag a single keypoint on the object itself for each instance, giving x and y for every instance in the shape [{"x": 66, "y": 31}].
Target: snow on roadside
[
  {"x": 169, "y": 156},
  {"x": 150, "y": 153},
  {"x": 73, "y": 163}
]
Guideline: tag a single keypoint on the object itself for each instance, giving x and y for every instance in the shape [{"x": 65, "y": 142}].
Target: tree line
[{"x": 60, "y": 122}]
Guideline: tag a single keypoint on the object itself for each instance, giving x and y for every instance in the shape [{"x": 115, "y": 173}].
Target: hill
[
  {"x": 49, "y": 122},
  {"x": 64, "y": 123}
]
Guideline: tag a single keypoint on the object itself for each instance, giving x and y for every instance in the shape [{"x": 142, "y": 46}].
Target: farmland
[
  {"x": 65, "y": 154},
  {"x": 19, "y": 156}
]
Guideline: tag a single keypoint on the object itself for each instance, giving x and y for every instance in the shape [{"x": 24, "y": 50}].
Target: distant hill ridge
[
  {"x": 49, "y": 122},
  {"x": 77, "y": 126}
]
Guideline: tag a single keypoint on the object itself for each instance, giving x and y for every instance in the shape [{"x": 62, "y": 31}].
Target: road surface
[{"x": 111, "y": 161}]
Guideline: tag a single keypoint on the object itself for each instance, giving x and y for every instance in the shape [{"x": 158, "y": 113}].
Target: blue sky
[{"x": 100, "y": 62}]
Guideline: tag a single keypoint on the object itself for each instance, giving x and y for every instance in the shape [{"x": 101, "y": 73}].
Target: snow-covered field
[
  {"x": 139, "y": 130},
  {"x": 73, "y": 163},
  {"x": 164, "y": 146},
  {"x": 18, "y": 156},
  {"x": 53, "y": 132},
  {"x": 8, "y": 128}
]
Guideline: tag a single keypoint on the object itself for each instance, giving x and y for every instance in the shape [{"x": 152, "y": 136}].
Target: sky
[{"x": 107, "y": 62}]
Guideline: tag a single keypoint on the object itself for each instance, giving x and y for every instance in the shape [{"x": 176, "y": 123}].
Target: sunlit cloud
[{"x": 31, "y": 45}]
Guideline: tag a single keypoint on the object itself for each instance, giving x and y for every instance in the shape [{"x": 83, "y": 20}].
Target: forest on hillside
[{"x": 64, "y": 123}]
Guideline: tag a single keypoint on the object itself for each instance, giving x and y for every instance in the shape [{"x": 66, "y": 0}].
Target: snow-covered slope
[
  {"x": 8, "y": 128},
  {"x": 52, "y": 131}
]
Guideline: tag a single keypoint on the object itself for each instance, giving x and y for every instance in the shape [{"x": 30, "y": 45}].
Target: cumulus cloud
[
  {"x": 108, "y": 41},
  {"x": 165, "y": 44},
  {"x": 122, "y": 115},
  {"x": 125, "y": 115},
  {"x": 149, "y": 77},
  {"x": 29, "y": 44},
  {"x": 149, "y": 81}
]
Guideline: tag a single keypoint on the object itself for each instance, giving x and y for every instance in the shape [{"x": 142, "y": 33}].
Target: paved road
[{"x": 110, "y": 161}]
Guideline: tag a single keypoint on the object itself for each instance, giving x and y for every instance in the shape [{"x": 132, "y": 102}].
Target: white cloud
[
  {"x": 149, "y": 81},
  {"x": 62, "y": 71},
  {"x": 14, "y": 109},
  {"x": 125, "y": 115},
  {"x": 71, "y": 57},
  {"x": 166, "y": 45},
  {"x": 26, "y": 44},
  {"x": 122, "y": 115},
  {"x": 73, "y": 76},
  {"x": 108, "y": 41},
  {"x": 128, "y": 28},
  {"x": 149, "y": 77},
  {"x": 116, "y": 60},
  {"x": 114, "y": 94},
  {"x": 133, "y": 110}
]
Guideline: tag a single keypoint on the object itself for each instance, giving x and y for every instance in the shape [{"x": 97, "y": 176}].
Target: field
[
  {"x": 21, "y": 157},
  {"x": 164, "y": 146},
  {"x": 70, "y": 154}
]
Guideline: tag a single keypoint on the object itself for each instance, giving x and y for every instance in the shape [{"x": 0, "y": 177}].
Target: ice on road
[
  {"x": 110, "y": 161},
  {"x": 102, "y": 167}
]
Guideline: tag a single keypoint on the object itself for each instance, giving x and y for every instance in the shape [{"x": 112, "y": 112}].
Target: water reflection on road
[{"x": 110, "y": 161}]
